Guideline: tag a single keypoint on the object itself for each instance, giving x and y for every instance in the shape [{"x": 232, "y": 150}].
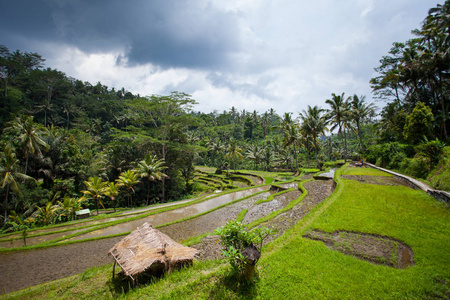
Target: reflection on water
[
  {"x": 329, "y": 174},
  {"x": 264, "y": 209},
  {"x": 172, "y": 215},
  {"x": 290, "y": 185},
  {"x": 210, "y": 221}
]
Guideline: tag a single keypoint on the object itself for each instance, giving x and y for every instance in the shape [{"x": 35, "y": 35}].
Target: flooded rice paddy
[{"x": 172, "y": 215}]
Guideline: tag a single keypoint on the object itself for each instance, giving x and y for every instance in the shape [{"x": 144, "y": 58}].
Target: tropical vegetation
[{"x": 63, "y": 138}]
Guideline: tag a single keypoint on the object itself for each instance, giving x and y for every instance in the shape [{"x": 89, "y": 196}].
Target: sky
[{"x": 250, "y": 54}]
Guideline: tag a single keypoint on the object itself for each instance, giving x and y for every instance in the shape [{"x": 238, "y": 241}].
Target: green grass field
[{"x": 293, "y": 267}]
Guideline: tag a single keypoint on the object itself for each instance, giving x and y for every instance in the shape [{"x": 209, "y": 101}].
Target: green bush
[
  {"x": 439, "y": 177},
  {"x": 235, "y": 237},
  {"x": 396, "y": 160},
  {"x": 383, "y": 154},
  {"x": 418, "y": 167},
  {"x": 432, "y": 151}
]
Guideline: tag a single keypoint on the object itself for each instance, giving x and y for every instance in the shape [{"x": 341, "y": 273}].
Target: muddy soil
[
  {"x": 374, "y": 248},
  {"x": 33, "y": 240},
  {"x": 172, "y": 215},
  {"x": 208, "y": 222},
  {"x": 264, "y": 209},
  {"x": 318, "y": 190},
  {"x": 307, "y": 176},
  {"x": 19, "y": 270},
  {"x": 27, "y": 268},
  {"x": 380, "y": 180}
]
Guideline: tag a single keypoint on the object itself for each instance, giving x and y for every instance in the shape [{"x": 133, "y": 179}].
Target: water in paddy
[
  {"x": 329, "y": 174},
  {"x": 290, "y": 185},
  {"x": 33, "y": 240},
  {"x": 210, "y": 221},
  {"x": 261, "y": 210},
  {"x": 172, "y": 215}
]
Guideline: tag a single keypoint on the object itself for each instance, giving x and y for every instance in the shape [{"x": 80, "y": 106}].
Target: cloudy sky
[{"x": 251, "y": 54}]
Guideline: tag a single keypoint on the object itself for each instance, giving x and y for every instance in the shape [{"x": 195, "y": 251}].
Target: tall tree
[
  {"x": 359, "y": 112},
  {"x": 337, "y": 114},
  {"x": 29, "y": 135},
  {"x": 233, "y": 152},
  {"x": 152, "y": 169},
  {"x": 254, "y": 152},
  {"x": 292, "y": 137},
  {"x": 215, "y": 147},
  {"x": 313, "y": 125},
  {"x": 9, "y": 174},
  {"x": 128, "y": 179},
  {"x": 95, "y": 189},
  {"x": 112, "y": 191}
]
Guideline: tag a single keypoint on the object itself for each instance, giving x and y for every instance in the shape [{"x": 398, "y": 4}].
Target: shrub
[
  {"x": 382, "y": 154},
  {"x": 418, "y": 167},
  {"x": 432, "y": 151},
  {"x": 396, "y": 160},
  {"x": 236, "y": 238},
  {"x": 440, "y": 176}
]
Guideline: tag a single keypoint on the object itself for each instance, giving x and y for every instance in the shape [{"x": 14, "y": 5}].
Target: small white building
[{"x": 83, "y": 213}]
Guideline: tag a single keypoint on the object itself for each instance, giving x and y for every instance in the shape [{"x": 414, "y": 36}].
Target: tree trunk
[
  {"x": 360, "y": 137},
  {"x": 26, "y": 162},
  {"x": 6, "y": 200},
  {"x": 251, "y": 255},
  {"x": 345, "y": 147},
  {"x": 315, "y": 152}
]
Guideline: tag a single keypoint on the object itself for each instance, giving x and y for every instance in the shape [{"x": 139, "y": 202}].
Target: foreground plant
[{"x": 242, "y": 246}]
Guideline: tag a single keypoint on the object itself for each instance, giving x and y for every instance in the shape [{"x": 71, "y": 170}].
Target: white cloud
[{"x": 287, "y": 54}]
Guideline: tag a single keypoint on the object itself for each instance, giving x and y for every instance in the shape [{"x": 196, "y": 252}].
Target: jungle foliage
[{"x": 68, "y": 144}]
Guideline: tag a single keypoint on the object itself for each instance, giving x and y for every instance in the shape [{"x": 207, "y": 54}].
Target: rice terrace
[
  {"x": 220, "y": 163},
  {"x": 377, "y": 256}
]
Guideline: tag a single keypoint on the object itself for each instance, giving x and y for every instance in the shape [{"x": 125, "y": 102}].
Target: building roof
[{"x": 146, "y": 246}]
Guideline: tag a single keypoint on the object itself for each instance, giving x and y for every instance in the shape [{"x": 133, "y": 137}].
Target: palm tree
[
  {"x": 128, "y": 179},
  {"x": 267, "y": 156},
  {"x": 29, "y": 134},
  {"x": 292, "y": 137},
  {"x": 46, "y": 106},
  {"x": 95, "y": 189},
  {"x": 313, "y": 125},
  {"x": 112, "y": 191},
  {"x": 254, "y": 153},
  {"x": 46, "y": 215},
  {"x": 359, "y": 112},
  {"x": 70, "y": 108},
  {"x": 234, "y": 151},
  {"x": 152, "y": 169},
  {"x": 215, "y": 147},
  {"x": 10, "y": 174},
  {"x": 337, "y": 114},
  {"x": 70, "y": 205},
  {"x": 265, "y": 120}
]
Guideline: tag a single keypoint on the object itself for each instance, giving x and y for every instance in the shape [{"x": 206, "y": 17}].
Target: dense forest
[{"x": 68, "y": 144}]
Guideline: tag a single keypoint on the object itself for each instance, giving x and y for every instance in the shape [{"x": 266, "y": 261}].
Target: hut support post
[{"x": 114, "y": 268}]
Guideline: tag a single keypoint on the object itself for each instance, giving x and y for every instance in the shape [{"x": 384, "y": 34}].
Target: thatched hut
[{"x": 146, "y": 249}]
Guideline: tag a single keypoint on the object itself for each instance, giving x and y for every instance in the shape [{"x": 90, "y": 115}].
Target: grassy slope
[
  {"x": 398, "y": 212},
  {"x": 296, "y": 268}
]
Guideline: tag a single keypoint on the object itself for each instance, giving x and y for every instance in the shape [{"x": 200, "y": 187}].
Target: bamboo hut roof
[{"x": 146, "y": 246}]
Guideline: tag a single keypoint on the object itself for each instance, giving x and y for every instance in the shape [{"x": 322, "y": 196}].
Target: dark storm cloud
[{"x": 189, "y": 34}]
